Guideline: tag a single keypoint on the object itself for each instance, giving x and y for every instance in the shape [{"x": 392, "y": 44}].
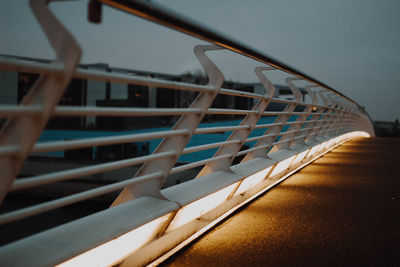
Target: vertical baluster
[
  {"x": 321, "y": 120},
  {"x": 46, "y": 93},
  {"x": 311, "y": 125},
  {"x": 333, "y": 130},
  {"x": 187, "y": 122},
  {"x": 327, "y": 118},
  {"x": 335, "y": 115},
  {"x": 296, "y": 127},
  {"x": 241, "y": 135},
  {"x": 285, "y": 117}
]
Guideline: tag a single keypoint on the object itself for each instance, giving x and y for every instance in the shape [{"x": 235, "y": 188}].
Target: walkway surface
[{"x": 343, "y": 209}]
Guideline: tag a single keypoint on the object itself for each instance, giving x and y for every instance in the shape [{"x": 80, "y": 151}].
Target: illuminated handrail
[{"x": 254, "y": 151}]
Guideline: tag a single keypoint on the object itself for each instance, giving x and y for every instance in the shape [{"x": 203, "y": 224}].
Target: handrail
[{"x": 161, "y": 15}]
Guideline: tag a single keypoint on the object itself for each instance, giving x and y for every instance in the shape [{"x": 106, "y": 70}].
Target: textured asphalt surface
[{"x": 342, "y": 210}]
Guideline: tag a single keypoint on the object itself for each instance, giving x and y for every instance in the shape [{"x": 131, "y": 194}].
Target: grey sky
[{"x": 353, "y": 46}]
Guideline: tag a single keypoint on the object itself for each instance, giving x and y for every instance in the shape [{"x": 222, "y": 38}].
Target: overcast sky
[{"x": 350, "y": 45}]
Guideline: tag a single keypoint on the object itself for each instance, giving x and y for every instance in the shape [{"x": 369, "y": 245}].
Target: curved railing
[{"x": 255, "y": 148}]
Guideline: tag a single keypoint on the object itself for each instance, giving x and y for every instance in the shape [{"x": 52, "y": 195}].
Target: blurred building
[
  {"x": 81, "y": 92},
  {"x": 387, "y": 128}
]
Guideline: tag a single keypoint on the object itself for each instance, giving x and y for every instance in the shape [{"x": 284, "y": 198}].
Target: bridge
[
  {"x": 145, "y": 222},
  {"x": 343, "y": 209}
]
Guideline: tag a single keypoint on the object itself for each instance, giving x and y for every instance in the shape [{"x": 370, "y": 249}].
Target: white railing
[{"x": 145, "y": 221}]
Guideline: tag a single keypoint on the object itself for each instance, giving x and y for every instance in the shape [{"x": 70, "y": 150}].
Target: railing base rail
[{"x": 148, "y": 230}]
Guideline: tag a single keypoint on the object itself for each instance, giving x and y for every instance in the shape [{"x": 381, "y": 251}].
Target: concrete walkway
[{"x": 343, "y": 209}]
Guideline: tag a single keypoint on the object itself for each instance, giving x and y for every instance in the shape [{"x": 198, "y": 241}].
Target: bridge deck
[{"x": 343, "y": 209}]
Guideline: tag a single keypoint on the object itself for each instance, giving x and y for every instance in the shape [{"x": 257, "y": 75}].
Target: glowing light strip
[
  {"x": 114, "y": 251},
  {"x": 252, "y": 180},
  {"x": 226, "y": 214},
  {"x": 197, "y": 208},
  {"x": 282, "y": 166},
  {"x": 300, "y": 156}
]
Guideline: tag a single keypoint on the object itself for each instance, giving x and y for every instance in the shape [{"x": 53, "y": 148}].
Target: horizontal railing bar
[
  {"x": 14, "y": 110},
  {"x": 15, "y": 65},
  {"x": 198, "y": 163},
  {"x": 84, "y": 171},
  {"x": 11, "y": 110},
  {"x": 295, "y": 131},
  {"x": 314, "y": 128},
  {"x": 9, "y": 150},
  {"x": 102, "y": 141},
  {"x": 42, "y": 68},
  {"x": 7, "y": 64},
  {"x": 301, "y": 136},
  {"x": 268, "y": 125},
  {"x": 282, "y": 141},
  {"x": 98, "y": 141},
  {"x": 139, "y": 80},
  {"x": 295, "y": 122},
  {"x": 315, "y": 121},
  {"x": 209, "y": 146},
  {"x": 288, "y": 140},
  {"x": 231, "y": 92},
  {"x": 278, "y": 113},
  {"x": 96, "y": 75},
  {"x": 283, "y": 101},
  {"x": 260, "y": 137},
  {"x": 286, "y": 101},
  {"x": 309, "y": 113},
  {"x": 262, "y": 126},
  {"x": 207, "y": 130},
  {"x": 256, "y": 138},
  {"x": 230, "y": 111},
  {"x": 275, "y": 113},
  {"x": 108, "y": 111},
  {"x": 54, "y": 204},
  {"x": 303, "y": 122},
  {"x": 244, "y": 152}
]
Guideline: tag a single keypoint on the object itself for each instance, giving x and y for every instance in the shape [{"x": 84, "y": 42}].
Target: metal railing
[{"x": 259, "y": 149}]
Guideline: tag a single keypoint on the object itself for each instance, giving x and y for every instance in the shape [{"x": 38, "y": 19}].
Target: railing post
[
  {"x": 262, "y": 153},
  {"x": 346, "y": 121},
  {"x": 311, "y": 125},
  {"x": 241, "y": 135},
  {"x": 187, "y": 122},
  {"x": 334, "y": 129},
  {"x": 274, "y": 130},
  {"x": 45, "y": 93},
  {"x": 335, "y": 115},
  {"x": 321, "y": 119},
  {"x": 327, "y": 117},
  {"x": 290, "y": 108}
]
